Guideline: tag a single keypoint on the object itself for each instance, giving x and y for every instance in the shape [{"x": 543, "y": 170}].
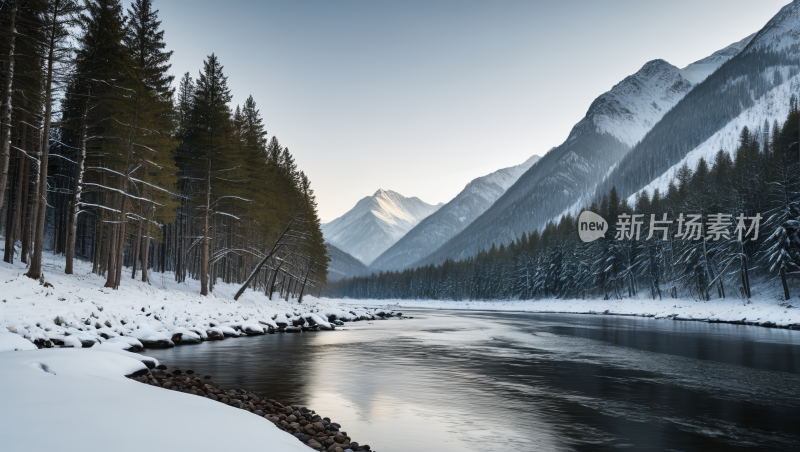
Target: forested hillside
[
  {"x": 106, "y": 157},
  {"x": 732, "y": 227}
]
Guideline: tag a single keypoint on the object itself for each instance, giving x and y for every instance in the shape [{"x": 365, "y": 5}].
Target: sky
[{"x": 421, "y": 97}]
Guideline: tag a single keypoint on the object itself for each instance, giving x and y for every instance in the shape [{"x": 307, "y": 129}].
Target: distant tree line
[
  {"x": 756, "y": 190},
  {"x": 102, "y": 159}
]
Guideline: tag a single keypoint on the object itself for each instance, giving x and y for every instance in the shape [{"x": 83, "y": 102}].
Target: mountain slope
[
  {"x": 452, "y": 218},
  {"x": 701, "y": 69},
  {"x": 774, "y": 106},
  {"x": 343, "y": 265},
  {"x": 569, "y": 175},
  {"x": 376, "y": 223},
  {"x": 768, "y": 60}
]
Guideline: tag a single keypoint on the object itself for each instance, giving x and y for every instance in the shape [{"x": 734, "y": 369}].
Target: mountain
[
  {"x": 452, "y": 218},
  {"x": 376, "y": 223},
  {"x": 701, "y": 69},
  {"x": 733, "y": 95},
  {"x": 568, "y": 176},
  {"x": 343, "y": 265}
]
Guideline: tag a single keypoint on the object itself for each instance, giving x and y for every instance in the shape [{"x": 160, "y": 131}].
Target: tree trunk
[
  {"x": 5, "y": 151},
  {"x": 121, "y": 238},
  {"x": 111, "y": 252},
  {"x": 206, "y": 221},
  {"x": 100, "y": 225},
  {"x": 24, "y": 222},
  {"x": 136, "y": 243},
  {"x": 13, "y": 230},
  {"x": 310, "y": 266},
  {"x": 783, "y": 281},
  {"x": 35, "y": 270},
  {"x": 146, "y": 253},
  {"x": 74, "y": 209}
]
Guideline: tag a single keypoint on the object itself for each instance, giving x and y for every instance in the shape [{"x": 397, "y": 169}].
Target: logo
[{"x": 591, "y": 226}]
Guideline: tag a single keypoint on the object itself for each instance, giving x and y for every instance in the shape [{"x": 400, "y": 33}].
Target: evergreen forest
[{"x": 108, "y": 159}]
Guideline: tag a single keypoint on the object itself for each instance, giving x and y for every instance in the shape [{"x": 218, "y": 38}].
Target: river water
[{"x": 489, "y": 381}]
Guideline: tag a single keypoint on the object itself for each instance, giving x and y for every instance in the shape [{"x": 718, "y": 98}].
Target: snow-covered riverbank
[
  {"x": 83, "y": 382},
  {"x": 77, "y": 311},
  {"x": 85, "y": 400},
  {"x": 763, "y": 310}
]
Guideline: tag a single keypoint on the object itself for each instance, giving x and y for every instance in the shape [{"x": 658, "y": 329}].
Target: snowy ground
[
  {"x": 762, "y": 309},
  {"x": 81, "y": 391},
  {"x": 78, "y": 311},
  {"x": 70, "y": 399}
]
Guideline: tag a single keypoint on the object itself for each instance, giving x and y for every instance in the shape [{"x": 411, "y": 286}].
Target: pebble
[{"x": 308, "y": 427}]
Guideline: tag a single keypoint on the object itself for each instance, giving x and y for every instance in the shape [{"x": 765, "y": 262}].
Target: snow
[
  {"x": 701, "y": 69},
  {"x": 79, "y": 312},
  {"x": 12, "y": 342},
  {"x": 782, "y": 32},
  {"x": 476, "y": 197},
  {"x": 633, "y": 106},
  {"x": 90, "y": 401},
  {"x": 376, "y": 223},
  {"x": 771, "y": 107},
  {"x": 762, "y": 308}
]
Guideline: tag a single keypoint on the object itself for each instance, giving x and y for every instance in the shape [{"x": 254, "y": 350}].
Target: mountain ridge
[
  {"x": 452, "y": 218},
  {"x": 375, "y": 223}
]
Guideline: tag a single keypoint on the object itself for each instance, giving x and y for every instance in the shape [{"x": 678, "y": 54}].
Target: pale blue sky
[{"x": 420, "y": 97}]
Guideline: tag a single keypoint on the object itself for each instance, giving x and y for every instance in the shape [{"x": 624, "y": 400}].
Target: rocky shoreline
[
  {"x": 315, "y": 431},
  {"x": 153, "y": 329}
]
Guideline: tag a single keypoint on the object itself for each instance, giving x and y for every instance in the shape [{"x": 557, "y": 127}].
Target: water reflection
[{"x": 487, "y": 381}]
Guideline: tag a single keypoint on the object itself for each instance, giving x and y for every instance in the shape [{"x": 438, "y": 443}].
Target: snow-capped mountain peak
[
  {"x": 477, "y": 196},
  {"x": 375, "y": 223},
  {"x": 631, "y": 108},
  {"x": 782, "y": 32}
]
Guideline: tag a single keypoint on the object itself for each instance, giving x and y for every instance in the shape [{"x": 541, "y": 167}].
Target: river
[{"x": 490, "y": 381}]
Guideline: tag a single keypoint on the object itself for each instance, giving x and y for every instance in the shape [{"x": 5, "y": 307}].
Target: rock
[
  {"x": 158, "y": 343},
  {"x": 291, "y": 418},
  {"x": 214, "y": 335},
  {"x": 354, "y": 445},
  {"x": 365, "y": 447},
  {"x": 177, "y": 372},
  {"x": 301, "y": 437},
  {"x": 11, "y": 328},
  {"x": 161, "y": 367},
  {"x": 339, "y": 438},
  {"x": 237, "y": 403},
  {"x": 86, "y": 342},
  {"x": 272, "y": 418},
  {"x": 259, "y": 412},
  {"x": 288, "y": 410},
  {"x": 312, "y": 443},
  {"x": 318, "y": 427},
  {"x": 177, "y": 338},
  {"x": 149, "y": 362},
  {"x": 213, "y": 396},
  {"x": 299, "y": 322},
  {"x": 292, "y": 329}
]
